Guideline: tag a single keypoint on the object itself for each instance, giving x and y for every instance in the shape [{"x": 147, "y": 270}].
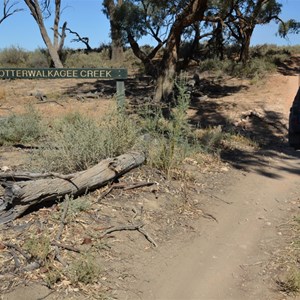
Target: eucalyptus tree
[
  {"x": 166, "y": 22},
  {"x": 110, "y": 8},
  {"x": 40, "y": 10},
  {"x": 245, "y": 16},
  {"x": 145, "y": 18},
  {"x": 289, "y": 27}
]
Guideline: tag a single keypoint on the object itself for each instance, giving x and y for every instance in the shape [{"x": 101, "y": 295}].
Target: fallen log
[{"x": 19, "y": 196}]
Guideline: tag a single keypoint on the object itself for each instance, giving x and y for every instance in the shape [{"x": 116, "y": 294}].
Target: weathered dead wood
[
  {"x": 22, "y": 176},
  {"x": 19, "y": 196}
]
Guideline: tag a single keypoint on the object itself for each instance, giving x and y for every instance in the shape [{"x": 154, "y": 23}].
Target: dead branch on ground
[
  {"x": 19, "y": 196},
  {"x": 138, "y": 227}
]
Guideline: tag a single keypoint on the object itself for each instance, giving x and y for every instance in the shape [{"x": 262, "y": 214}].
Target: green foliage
[
  {"x": 171, "y": 138},
  {"x": 84, "y": 270},
  {"x": 80, "y": 59},
  {"x": 214, "y": 64},
  {"x": 38, "y": 246},
  {"x": 211, "y": 139},
  {"x": 22, "y": 128},
  {"x": 76, "y": 142},
  {"x": 53, "y": 276},
  {"x": 37, "y": 59},
  {"x": 13, "y": 57},
  {"x": 289, "y": 27},
  {"x": 256, "y": 68},
  {"x": 78, "y": 205}
]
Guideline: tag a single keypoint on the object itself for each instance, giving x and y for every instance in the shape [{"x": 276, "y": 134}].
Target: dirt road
[{"x": 230, "y": 259}]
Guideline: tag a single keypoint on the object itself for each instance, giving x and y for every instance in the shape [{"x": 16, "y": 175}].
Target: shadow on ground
[
  {"x": 207, "y": 101},
  {"x": 290, "y": 67}
]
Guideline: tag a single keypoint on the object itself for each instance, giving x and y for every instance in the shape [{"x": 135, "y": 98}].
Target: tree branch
[{"x": 9, "y": 10}]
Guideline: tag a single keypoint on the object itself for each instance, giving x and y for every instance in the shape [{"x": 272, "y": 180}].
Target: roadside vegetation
[
  {"x": 169, "y": 139},
  {"x": 264, "y": 59},
  {"x": 75, "y": 142}
]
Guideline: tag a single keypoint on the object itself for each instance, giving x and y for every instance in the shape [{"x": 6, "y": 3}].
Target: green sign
[{"x": 99, "y": 73}]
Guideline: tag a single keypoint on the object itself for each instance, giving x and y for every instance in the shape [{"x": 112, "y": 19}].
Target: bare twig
[
  {"x": 120, "y": 228},
  {"x": 84, "y": 40},
  {"x": 61, "y": 228},
  {"x": 51, "y": 101},
  {"x": 63, "y": 218},
  {"x": 67, "y": 247},
  {"x": 220, "y": 199},
  {"x": 138, "y": 185},
  {"x": 9, "y": 10},
  {"x": 210, "y": 216},
  {"x": 104, "y": 194},
  {"x": 147, "y": 236},
  {"x": 17, "y": 248},
  {"x": 15, "y": 257},
  {"x": 124, "y": 187},
  {"x": 138, "y": 227}
]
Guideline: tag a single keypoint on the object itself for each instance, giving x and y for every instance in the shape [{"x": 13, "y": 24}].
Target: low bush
[
  {"x": 81, "y": 59},
  {"x": 77, "y": 142},
  {"x": 171, "y": 139},
  {"x": 39, "y": 247},
  {"x": 13, "y": 57},
  {"x": 38, "y": 59},
  {"x": 255, "y": 68},
  {"x": 84, "y": 270},
  {"x": 24, "y": 128}
]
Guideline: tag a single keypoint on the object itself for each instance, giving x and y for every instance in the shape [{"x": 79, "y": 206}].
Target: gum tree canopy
[{"x": 165, "y": 21}]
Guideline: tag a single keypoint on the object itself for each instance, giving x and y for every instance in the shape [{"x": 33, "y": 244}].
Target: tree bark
[
  {"x": 193, "y": 12},
  {"x": 21, "y": 195},
  {"x": 117, "y": 54},
  {"x": 245, "y": 46},
  {"x": 37, "y": 14}
]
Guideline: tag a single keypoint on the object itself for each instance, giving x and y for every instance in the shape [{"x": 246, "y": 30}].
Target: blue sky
[{"x": 86, "y": 17}]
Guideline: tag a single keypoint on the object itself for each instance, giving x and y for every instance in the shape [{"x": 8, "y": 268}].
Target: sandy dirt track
[{"x": 229, "y": 259}]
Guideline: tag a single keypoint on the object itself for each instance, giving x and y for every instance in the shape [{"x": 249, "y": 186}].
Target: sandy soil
[
  {"x": 229, "y": 259},
  {"x": 221, "y": 242}
]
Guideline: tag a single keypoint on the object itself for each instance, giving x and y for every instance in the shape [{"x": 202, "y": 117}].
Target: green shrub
[
  {"x": 38, "y": 246},
  {"x": 38, "y": 59},
  {"x": 291, "y": 284},
  {"x": 211, "y": 139},
  {"x": 171, "y": 138},
  {"x": 255, "y": 68},
  {"x": 76, "y": 142},
  {"x": 13, "y": 57},
  {"x": 84, "y": 270},
  {"x": 22, "y": 128},
  {"x": 214, "y": 64},
  {"x": 81, "y": 59}
]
